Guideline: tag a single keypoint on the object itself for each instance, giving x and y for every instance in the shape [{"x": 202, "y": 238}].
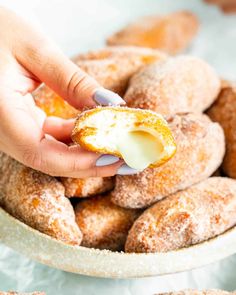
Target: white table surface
[{"x": 81, "y": 25}]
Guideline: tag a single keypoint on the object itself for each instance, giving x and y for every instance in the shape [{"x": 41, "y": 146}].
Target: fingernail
[
  {"x": 106, "y": 160},
  {"x": 106, "y": 97},
  {"x": 126, "y": 170}
]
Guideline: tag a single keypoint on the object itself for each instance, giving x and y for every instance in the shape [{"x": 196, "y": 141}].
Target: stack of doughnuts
[{"x": 173, "y": 204}]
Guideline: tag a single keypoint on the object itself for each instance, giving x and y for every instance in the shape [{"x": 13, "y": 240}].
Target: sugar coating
[
  {"x": 101, "y": 129},
  {"x": 113, "y": 66},
  {"x": 103, "y": 224},
  {"x": 185, "y": 218},
  {"x": 52, "y": 104},
  {"x": 197, "y": 292},
  {"x": 38, "y": 200},
  {"x": 180, "y": 84},
  {"x": 86, "y": 187},
  {"x": 200, "y": 150},
  {"x": 171, "y": 33},
  {"x": 223, "y": 111}
]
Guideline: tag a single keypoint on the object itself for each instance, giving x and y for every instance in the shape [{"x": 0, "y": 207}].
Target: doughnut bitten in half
[
  {"x": 142, "y": 138},
  {"x": 200, "y": 150},
  {"x": 185, "y": 218},
  {"x": 171, "y": 33},
  {"x": 38, "y": 200}
]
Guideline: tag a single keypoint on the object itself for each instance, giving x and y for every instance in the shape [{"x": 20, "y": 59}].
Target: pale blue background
[{"x": 81, "y": 25}]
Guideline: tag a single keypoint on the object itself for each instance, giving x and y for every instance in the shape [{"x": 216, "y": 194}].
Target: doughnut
[
  {"x": 223, "y": 111},
  {"x": 142, "y": 138},
  {"x": 200, "y": 150},
  {"x": 86, "y": 187},
  {"x": 113, "y": 66},
  {"x": 178, "y": 84},
  {"x": 171, "y": 33},
  {"x": 197, "y": 292},
  {"x": 103, "y": 224},
  {"x": 52, "y": 104},
  {"x": 227, "y": 6},
  {"x": 38, "y": 200},
  {"x": 188, "y": 217}
]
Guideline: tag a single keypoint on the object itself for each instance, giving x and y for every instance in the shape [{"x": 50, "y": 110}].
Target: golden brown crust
[
  {"x": 86, "y": 187},
  {"x": 197, "y": 292},
  {"x": 200, "y": 150},
  {"x": 103, "y": 224},
  {"x": 185, "y": 218},
  {"x": 180, "y": 84},
  {"x": 38, "y": 200},
  {"x": 113, "y": 66},
  {"x": 88, "y": 127},
  {"x": 223, "y": 111},
  {"x": 171, "y": 33},
  {"x": 52, "y": 104}
]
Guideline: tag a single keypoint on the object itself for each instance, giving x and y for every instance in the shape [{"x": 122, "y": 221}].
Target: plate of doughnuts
[{"x": 178, "y": 212}]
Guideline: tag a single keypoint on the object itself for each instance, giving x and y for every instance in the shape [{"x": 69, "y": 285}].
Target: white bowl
[{"x": 104, "y": 263}]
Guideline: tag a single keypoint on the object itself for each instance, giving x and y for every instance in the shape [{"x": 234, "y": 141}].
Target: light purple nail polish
[
  {"x": 105, "y": 160},
  {"x": 106, "y": 97},
  {"x": 126, "y": 170}
]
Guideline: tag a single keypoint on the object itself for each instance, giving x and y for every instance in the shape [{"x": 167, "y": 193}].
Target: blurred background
[{"x": 77, "y": 26}]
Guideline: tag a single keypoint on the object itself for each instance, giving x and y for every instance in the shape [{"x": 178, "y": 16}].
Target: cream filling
[{"x": 139, "y": 148}]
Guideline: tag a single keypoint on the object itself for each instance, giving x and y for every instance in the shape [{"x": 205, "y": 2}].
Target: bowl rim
[{"x": 105, "y": 263}]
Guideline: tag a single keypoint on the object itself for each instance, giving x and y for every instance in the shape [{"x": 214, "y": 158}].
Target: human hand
[{"x": 27, "y": 58}]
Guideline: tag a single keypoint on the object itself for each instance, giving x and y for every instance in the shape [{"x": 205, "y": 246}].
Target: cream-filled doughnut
[
  {"x": 200, "y": 150},
  {"x": 142, "y": 138}
]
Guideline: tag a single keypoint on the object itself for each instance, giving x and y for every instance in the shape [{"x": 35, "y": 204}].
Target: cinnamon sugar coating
[
  {"x": 52, "y": 104},
  {"x": 86, "y": 187},
  {"x": 197, "y": 292},
  {"x": 185, "y": 218},
  {"x": 180, "y": 84},
  {"x": 171, "y": 33},
  {"x": 223, "y": 111},
  {"x": 200, "y": 150},
  {"x": 113, "y": 66},
  {"x": 38, "y": 200},
  {"x": 103, "y": 224}
]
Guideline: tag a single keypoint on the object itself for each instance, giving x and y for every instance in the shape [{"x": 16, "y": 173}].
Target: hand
[
  {"x": 228, "y": 6},
  {"x": 27, "y": 58}
]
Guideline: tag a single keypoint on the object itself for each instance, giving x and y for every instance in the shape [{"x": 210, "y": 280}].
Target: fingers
[
  {"x": 40, "y": 56},
  {"x": 59, "y": 128},
  {"x": 22, "y": 137},
  {"x": 55, "y": 158}
]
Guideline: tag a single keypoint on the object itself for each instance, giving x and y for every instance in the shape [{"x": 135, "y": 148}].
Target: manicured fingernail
[
  {"x": 126, "y": 170},
  {"x": 106, "y": 97},
  {"x": 106, "y": 160}
]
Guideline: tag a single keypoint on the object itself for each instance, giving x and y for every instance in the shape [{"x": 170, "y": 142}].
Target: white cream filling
[{"x": 139, "y": 148}]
